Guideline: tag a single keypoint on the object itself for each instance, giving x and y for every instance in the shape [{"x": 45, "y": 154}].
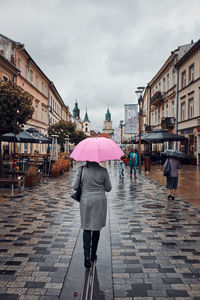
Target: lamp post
[
  {"x": 67, "y": 145},
  {"x": 139, "y": 94},
  {"x": 121, "y": 126}
]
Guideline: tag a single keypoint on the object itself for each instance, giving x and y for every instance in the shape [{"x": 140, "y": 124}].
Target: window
[
  {"x": 163, "y": 85},
  {"x": 152, "y": 116},
  {"x": 19, "y": 63},
  {"x": 191, "y": 108},
  {"x": 36, "y": 81},
  {"x": 36, "y": 111},
  {"x": 31, "y": 76},
  {"x": 163, "y": 111},
  {"x": 173, "y": 76},
  {"x": 42, "y": 87},
  {"x": 167, "y": 81},
  {"x": 183, "y": 79},
  {"x": 159, "y": 115},
  {"x": 45, "y": 90},
  {"x": 4, "y": 78},
  {"x": 173, "y": 109},
  {"x": 183, "y": 111},
  {"x": 191, "y": 73},
  {"x": 167, "y": 110},
  {"x": 26, "y": 71},
  {"x": 159, "y": 86}
]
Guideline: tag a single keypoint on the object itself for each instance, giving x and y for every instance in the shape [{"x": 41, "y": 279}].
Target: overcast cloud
[{"x": 100, "y": 51}]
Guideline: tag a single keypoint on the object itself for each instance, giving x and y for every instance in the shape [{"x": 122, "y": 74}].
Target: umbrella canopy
[
  {"x": 10, "y": 137},
  {"x": 97, "y": 149},
  {"x": 25, "y": 137},
  {"x": 135, "y": 140},
  {"x": 39, "y": 137},
  {"x": 162, "y": 135},
  {"x": 175, "y": 153}
]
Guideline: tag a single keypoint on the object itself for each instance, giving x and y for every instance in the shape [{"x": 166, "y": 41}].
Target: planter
[{"x": 31, "y": 180}]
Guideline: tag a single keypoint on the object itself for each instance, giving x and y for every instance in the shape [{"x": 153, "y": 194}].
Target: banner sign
[{"x": 131, "y": 118}]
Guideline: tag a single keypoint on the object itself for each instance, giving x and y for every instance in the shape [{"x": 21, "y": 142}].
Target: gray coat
[
  {"x": 174, "y": 166},
  {"x": 93, "y": 204}
]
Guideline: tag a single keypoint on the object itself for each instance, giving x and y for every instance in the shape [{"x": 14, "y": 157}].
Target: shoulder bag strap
[{"x": 81, "y": 175}]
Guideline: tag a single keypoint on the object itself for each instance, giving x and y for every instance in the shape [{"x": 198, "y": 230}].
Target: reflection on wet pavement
[
  {"x": 155, "y": 243},
  {"x": 188, "y": 185}
]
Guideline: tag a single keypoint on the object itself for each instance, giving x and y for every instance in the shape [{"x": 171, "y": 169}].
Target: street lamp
[
  {"x": 139, "y": 94},
  {"x": 67, "y": 144},
  {"x": 121, "y": 126}
]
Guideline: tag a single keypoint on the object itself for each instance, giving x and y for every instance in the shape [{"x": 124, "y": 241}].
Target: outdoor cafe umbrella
[
  {"x": 25, "y": 137},
  {"x": 96, "y": 149},
  {"x": 10, "y": 137},
  {"x": 162, "y": 135},
  {"x": 175, "y": 153},
  {"x": 39, "y": 137}
]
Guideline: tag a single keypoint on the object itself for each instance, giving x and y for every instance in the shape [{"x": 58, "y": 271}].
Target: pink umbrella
[{"x": 97, "y": 149}]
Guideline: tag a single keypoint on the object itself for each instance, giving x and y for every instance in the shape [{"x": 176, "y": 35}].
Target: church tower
[
  {"x": 86, "y": 124},
  {"x": 76, "y": 111},
  {"x": 108, "y": 124}
]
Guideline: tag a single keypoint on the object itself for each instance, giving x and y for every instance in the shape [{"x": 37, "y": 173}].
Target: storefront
[
  {"x": 198, "y": 145},
  {"x": 192, "y": 144}
]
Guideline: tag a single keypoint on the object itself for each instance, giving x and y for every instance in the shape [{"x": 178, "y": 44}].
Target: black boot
[
  {"x": 87, "y": 262},
  {"x": 86, "y": 247},
  {"x": 93, "y": 256},
  {"x": 95, "y": 240}
]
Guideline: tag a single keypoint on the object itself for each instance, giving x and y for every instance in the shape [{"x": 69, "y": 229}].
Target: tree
[
  {"x": 66, "y": 130},
  {"x": 78, "y": 137},
  {"x": 15, "y": 109}
]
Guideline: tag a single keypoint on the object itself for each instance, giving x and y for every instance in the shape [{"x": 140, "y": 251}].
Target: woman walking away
[
  {"x": 172, "y": 178},
  {"x": 95, "y": 182}
]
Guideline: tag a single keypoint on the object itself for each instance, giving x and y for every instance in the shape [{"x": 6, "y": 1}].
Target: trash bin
[{"x": 147, "y": 163}]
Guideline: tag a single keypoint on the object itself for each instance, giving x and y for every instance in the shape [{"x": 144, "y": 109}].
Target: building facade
[
  {"x": 48, "y": 105},
  {"x": 172, "y": 99},
  {"x": 189, "y": 100}
]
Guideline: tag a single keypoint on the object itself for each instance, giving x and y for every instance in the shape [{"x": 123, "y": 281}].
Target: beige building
[
  {"x": 8, "y": 71},
  {"x": 48, "y": 105},
  {"x": 165, "y": 99},
  {"x": 189, "y": 100},
  {"x": 57, "y": 110}
]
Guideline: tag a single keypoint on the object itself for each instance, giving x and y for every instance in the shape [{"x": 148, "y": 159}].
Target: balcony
[
  {"x": 157, "y": 98},
  {"x": 168, "y": 123},
  {"x": 148, "y": 128}
]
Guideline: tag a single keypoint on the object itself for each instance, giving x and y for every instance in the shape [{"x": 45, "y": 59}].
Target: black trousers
[{"x": 90, "y": 241}]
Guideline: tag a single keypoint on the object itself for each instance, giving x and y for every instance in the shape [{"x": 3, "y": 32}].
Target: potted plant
[{"x": 32, "y": 177}]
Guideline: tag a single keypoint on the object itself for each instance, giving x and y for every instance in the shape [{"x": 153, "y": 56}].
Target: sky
[{"x": 99, "y": 51}]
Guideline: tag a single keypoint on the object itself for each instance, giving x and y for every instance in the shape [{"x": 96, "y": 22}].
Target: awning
[{"x": 162, "y": 135}]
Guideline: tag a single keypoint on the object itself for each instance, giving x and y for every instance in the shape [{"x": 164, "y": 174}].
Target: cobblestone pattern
[
  {"x": 37, "y": 239},
  {"x": 155, "y": 242}
]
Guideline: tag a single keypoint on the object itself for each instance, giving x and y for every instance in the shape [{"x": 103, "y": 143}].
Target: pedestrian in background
[
  {"x": 133, "y": 157},
  {"x": 121, "y": 167},
  {"x": 95, "y": 182},
  {"x": 172, "y": 178}
]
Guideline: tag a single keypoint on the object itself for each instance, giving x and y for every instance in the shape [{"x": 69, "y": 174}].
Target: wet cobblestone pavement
[{"x": 155, "y": 242}]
